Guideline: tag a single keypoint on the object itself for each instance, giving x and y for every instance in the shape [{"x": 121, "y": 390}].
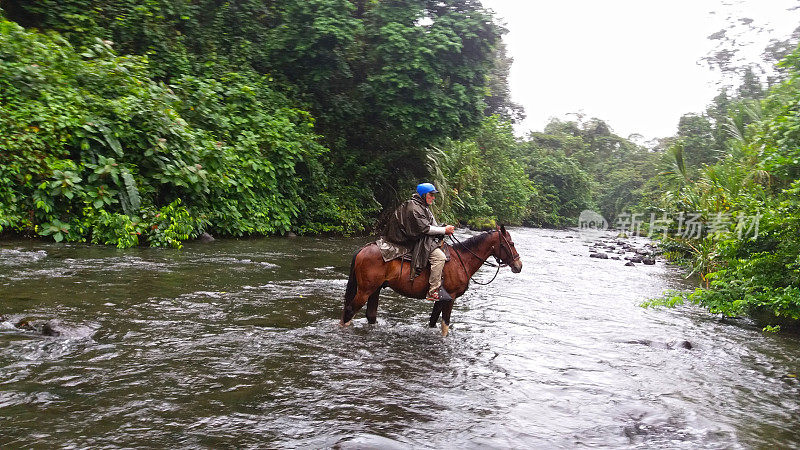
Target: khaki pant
[{"x": 437, "y": 260}]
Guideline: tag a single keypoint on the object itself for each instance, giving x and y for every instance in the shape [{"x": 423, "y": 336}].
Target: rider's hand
[{"x": 449, "y": 229}]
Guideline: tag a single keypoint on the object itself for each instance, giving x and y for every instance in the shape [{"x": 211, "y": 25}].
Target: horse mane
[{"x": 474, "y": 241}]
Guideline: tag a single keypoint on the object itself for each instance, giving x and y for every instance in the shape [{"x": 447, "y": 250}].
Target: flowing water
[{"x": 237, "y": 344}]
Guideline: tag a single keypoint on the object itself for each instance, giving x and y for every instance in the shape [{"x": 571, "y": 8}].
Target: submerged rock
[
  {"x": 663, "y": 345},
  {"x": 45, "y": 329},
  {"x": 598, "y": 255},
  {"x": 206, "y": 238},
  {"x": 648, "y": 261},
  {"x": 48, "y": 330},
  {"x": 629, "y": 264}
]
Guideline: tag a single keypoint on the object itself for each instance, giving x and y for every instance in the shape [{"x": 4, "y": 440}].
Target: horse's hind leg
[
  {"x": 365, "y": 282},
  {"x": 372, "y": 306},
  {"x": 351, "y": 309},
  {"x": 347, "y": 311}
]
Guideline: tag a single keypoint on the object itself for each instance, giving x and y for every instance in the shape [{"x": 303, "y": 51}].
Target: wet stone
[{"x": 48, "y": 330}]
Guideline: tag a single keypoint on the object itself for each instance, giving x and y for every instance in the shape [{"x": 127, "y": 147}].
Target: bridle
[
  {"x": 499, "y": 263},
  {"x": 508, "y": 247}
]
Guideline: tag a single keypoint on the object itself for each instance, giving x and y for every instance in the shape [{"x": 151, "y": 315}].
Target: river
[{"x": 236, "y": 343}]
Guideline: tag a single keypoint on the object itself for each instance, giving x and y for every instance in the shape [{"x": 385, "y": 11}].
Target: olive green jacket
[{"x": 408, "y": 227}]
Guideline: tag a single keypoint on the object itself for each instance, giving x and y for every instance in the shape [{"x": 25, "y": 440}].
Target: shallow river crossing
[{"x": 237, "y": 344}]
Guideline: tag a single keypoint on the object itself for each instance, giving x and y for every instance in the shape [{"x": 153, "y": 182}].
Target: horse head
[{"x": 505, "y": 252}]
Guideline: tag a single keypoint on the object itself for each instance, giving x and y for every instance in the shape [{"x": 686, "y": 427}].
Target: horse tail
[{"x": 352, "y": 282}]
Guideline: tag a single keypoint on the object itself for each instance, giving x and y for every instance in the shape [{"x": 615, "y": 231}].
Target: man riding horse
[
  {"x": 413, "y": 229},
  {"x": 412, "y": 226}
]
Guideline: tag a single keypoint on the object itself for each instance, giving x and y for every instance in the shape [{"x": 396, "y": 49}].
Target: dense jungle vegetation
[
  {"x": 737, "y": 169},
  {"x": 135, "y": 122},
  {"x": 148, "y": 122}
]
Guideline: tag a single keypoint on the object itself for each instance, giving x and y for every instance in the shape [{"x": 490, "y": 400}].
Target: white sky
[{"x": 631, "y": 63}]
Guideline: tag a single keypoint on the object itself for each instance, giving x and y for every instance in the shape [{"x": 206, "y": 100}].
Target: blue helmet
[{"x": 426, "y": 188}]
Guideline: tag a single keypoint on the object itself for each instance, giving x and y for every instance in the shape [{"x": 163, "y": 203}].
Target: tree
[
  {"x": 499, "y": 99},
  {"x": 776, "y": 51},
  {"x": 564, "y": 188},
  {"x": 717, "y": 112},
  {"x": 383, "y": 80},
  {"x": 482, "y": 177},
  {"x": 750, "y": 87},
  {"x": 697, "y": 138}
]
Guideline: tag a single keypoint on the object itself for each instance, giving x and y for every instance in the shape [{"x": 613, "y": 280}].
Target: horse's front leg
[
  {"x": 448, "y": 308},
  {"x": 437, "y": 310}
]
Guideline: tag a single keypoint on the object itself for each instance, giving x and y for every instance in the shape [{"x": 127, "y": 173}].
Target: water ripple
[{"x": 237, "y": 344}]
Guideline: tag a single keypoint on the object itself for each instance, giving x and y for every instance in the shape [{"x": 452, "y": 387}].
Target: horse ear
[{"x": 503, "y": 229}]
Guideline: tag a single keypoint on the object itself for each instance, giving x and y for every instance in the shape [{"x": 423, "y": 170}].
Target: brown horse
[{"x": 369, "y": 274}]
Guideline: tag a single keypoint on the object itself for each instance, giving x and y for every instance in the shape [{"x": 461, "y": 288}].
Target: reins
[{"x": 484, "y": 261}]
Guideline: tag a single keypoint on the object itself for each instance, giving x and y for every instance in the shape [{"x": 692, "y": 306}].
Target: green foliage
[
  {"x": 481, "y": 178},
  {"x": 696, "y": 140},
  {"x": 482, "y": 223},
  {"x": 498, "y": 101},
  {"x": 58, "y": 229},
  {"x": 337, "y": 208},
  {"x": 383, "y": 79},
  {"x": 90, "y": 137},
  {"x": 544, "y": 180},
  {"x": 751, "y": 273},
  {"x": 117, "y": 229},
  {"x": 171, "y": 225},
  {"x": 209, "y": 103},
  {"x": 263, "y": 152},
  {"x": 669, "y": 299},
  {"x": 584, "y": 165},
  {"x": 564, "y": 188}
]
